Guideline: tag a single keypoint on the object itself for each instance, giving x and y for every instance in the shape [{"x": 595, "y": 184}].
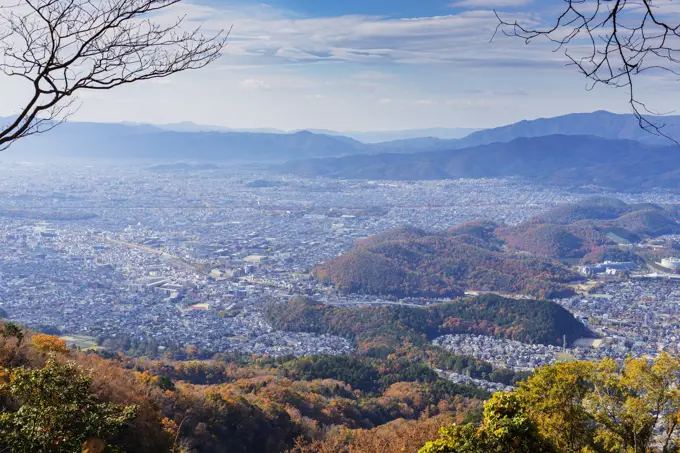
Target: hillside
[
  {"x": 485, "y": 256},
  {"x": 408, "y": 262},
  {"x": 556, "y": 159},
  {"x": 576, "y": 230},
  {"x": 376, "y": 328},
  {"x": 229, "y": 404}
]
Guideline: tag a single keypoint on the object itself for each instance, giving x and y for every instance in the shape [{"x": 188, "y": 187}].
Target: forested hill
[
  {"x": 578, "y": 229},
  {"x": 376, "y": 329},
  {"x": 485, "y": 256},
  {"x": 410, "y": 262}
]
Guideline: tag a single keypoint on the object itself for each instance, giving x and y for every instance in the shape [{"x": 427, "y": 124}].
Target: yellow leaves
[
  {"x": 607, "y": 365},
  {"x": 93, "y": 445},
  {"x": 604, "y": 406},
  {"x": 667, "y": 368},
  {"x": 50, "y": 344}
]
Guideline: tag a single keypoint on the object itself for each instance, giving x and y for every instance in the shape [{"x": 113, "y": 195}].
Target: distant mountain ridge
[
  {"x": 124, "y": 141},
  {"x": 377, "y": 136},
  {"x": 599, "y": 124},
  {"x": 191, "y": 142},
  {"x": 570, "y": 160}
]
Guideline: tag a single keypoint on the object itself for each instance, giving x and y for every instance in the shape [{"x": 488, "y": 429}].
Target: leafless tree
[
  {"x": 61, "y": 47},
  {"x": 612, "y": 42}
]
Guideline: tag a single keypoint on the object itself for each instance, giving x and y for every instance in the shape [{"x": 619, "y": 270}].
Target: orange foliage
[
  {"x": 50, "y": 344},
  {"x": 398, "y": 436}
]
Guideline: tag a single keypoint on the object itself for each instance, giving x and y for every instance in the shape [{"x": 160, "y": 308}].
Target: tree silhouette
[
  {"x": 612, "y": 42},
  {"x": 61, "y": 47}
]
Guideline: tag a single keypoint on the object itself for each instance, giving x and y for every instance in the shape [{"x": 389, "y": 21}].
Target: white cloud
[
  {"x": 267, "y": 36},
  {"x": 470, "y": 103},
  {"x": 357, "y": 72},
  {"x": 255, "y": 84}
]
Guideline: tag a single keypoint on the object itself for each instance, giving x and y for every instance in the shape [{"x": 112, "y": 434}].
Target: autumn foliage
[
  {"x": 233, "y": 404},
  {"x": 50, "y": 343},
  {"x": 408, "y": 262},
  {"x": 579, "y": 407}
]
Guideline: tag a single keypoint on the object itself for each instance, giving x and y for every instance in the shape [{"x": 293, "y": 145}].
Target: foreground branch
[
  {"x": 611, "y": 42},
  {"x": 60, "y": 47}
]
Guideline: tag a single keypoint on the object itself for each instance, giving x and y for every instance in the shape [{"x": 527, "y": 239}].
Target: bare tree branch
[
  {"x": 60, "y": 47},
  {"x": 611, "y": 42}
]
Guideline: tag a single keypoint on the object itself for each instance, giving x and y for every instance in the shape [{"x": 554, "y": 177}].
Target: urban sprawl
[{"x": 189, "y": 258}]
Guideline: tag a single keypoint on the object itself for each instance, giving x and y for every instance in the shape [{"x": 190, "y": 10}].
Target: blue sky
[{"x": 363, "y": 65}]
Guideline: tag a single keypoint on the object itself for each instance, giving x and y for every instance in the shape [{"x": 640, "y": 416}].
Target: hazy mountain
[
  {"x": 113, "y": 141},
  {"x": 189, "y": 141},
  {"x": 441, "y": 133},
  {"x": 561, "y": 159},
  {"x": 189, "y": 126},
  {"x": 362, "y": 136},
  {"x": 600, "y": 124}
]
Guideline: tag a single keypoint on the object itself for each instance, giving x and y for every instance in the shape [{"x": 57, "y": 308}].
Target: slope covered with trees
[
  {"x": 409, "y": 262},
  {"x": 576, "y": 230},
  {"x": 578, "y": 407},
  {"x": 375, "y": 329},
  {"x": 55, "y": 399}
]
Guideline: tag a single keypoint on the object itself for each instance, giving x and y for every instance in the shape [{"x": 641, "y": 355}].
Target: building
[
  {"x": 671, "y": 263},
  {"x": 608, "y": 267}
]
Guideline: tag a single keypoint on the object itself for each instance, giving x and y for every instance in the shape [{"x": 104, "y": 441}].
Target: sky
[{"x": 361, "y": 65}]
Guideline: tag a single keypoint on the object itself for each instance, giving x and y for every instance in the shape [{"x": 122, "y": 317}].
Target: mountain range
[
  {"x": 587, "y": 149},
  {"x": 362, "y": 136},
  {"x": 571, "y": 160},
  {"x": 192, "y": 142}
]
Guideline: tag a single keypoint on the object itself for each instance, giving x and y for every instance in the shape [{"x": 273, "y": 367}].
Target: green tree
[
  {"x": 580, "y": 407},
  {"x": 53, "y": 410},
  {"x": 628, "y": 402},
  {"x": 554, "y": 399},
  {"x": 506, "y": 428}
]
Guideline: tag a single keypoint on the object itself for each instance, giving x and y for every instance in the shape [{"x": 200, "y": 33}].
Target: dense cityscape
[{"x": 143, "y": 259}]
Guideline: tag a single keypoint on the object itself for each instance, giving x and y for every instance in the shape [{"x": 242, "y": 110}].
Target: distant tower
[{"x": 564, "y": 342}]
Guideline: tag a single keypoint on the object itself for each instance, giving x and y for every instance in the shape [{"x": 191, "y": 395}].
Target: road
[{"x": 172, "y": 258}]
